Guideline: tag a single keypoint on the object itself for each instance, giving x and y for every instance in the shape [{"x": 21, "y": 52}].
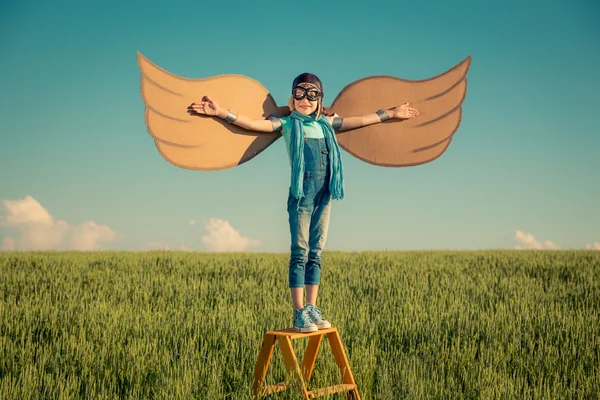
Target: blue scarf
[{"x": 336, "y": 180}]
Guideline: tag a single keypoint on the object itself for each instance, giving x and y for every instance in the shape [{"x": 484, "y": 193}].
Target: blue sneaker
[
  {"x": 316, "y": 316},
  {"x": 303, "y": 322}
]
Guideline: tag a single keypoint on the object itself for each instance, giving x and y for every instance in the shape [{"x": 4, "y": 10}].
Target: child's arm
[
  {"x": 399, "y": 112},
  {"x": 209, "y": 107}
]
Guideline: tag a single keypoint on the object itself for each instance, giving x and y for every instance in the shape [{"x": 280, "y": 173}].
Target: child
[{"x": 316, "y": 178}]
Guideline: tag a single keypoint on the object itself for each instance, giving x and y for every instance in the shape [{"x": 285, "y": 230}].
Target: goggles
[{"x": 313, "y": 94}]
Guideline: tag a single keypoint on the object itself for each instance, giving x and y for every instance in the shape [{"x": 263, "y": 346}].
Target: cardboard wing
[
  {"x": 198, "y": 142},
  {"x": 402, "y": 143}
]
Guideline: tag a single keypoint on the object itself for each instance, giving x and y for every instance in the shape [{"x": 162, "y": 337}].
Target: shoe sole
[
  {"x": 324, "y": 326},
  {"x": 305, "y": 330}
]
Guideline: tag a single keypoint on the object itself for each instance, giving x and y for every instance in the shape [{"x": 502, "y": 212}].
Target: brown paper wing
[
  {"x": 199, "y": 142},
  {"x": 401, "y": 143}
]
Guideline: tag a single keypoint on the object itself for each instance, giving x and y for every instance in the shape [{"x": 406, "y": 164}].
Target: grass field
[{"x": 166, "y": 325}]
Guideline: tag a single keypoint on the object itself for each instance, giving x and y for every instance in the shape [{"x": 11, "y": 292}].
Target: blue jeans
[{"x": 309, "y": 220}]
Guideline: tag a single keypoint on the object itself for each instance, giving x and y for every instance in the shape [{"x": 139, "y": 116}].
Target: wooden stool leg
[
  {"x": 310, "y": 356},
  {"x": 342, "y": 362},
  {"x": 291, "y": 363},
  {"x": 262, "y": 364}
]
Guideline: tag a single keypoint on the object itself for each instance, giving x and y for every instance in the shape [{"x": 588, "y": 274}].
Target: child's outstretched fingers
[
  {"x": 404, "y": 111},
  {"x": 197, "y": 107},
  {"x": 409, "y": 112},
  {"x": 194, "y": 108},
  {"x": 205, "y": 107}
]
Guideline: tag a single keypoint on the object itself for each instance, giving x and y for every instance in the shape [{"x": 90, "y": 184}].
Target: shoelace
[
  {"x": 317, "y": 310},
  {"x": 305, "y": 317}
]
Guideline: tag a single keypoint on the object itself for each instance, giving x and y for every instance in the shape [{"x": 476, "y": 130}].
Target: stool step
[
  {"x": 275, "y": 388},
  {"x": 294, "y": 334},
  {"x": 279, "y": 387},
  {"x": 330, "y": 390}
]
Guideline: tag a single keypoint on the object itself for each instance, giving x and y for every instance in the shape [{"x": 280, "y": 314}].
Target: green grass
[{"x": 440, "y": 325}]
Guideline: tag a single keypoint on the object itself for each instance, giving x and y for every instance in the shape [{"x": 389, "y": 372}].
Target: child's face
[{"x": 306, "y": 106}]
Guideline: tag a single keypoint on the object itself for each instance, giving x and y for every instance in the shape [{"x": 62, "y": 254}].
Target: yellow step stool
[{"x": 303, "y": 373}]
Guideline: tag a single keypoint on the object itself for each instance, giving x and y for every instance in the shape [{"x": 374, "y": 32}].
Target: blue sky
[{"x": 78, "y": 169}]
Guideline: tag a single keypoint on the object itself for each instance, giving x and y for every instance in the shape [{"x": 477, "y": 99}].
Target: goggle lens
[{"x": 312, "y": 94}]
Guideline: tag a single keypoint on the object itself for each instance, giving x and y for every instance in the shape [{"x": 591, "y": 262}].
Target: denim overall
[{"x": 309, "y": 220}]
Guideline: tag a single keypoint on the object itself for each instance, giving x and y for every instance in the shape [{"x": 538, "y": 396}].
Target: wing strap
[
  {"x": 383, "y": 115},
  {"x": 276, "y": 122},
  {"x": 337, "y": 122}
]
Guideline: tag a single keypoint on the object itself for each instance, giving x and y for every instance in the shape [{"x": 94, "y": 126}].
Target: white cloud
[
  {"x": 86, "y": 235},
  {"x": 223, "y": 237},
  {"x": 40, "y": 231},
  {"x": 27, "y": 211},
  {"x": 593, "y": 246},
  {"x": 192, "y": 222},
  {"x": 8, "y": 244},
  {"x": 528, "y": 241}
]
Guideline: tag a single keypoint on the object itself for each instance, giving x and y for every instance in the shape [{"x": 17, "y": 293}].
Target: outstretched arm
[
  {"x": 403, "y": 111},
  {"x": 209, "y": 107}
]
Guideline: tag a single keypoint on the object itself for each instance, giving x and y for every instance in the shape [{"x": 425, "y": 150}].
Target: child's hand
[
  {"x": 207, "y": 106},
  {"x": 404, "y": 112}
]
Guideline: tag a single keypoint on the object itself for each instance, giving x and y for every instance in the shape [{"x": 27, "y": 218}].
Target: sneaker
[
  {"x": 316, "y": 316},
  {"x": 303, "y": 322}
]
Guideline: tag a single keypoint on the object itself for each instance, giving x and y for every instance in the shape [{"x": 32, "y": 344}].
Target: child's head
[{"x": 307, "y": 95}]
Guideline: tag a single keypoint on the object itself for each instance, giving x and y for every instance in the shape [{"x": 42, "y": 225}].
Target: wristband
[
  {"x": 383, "y": 115},
  {"x": 337, "y": 122},
  {"x": 276, "y": 122},
  {"x": 231, "y": 117}
]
